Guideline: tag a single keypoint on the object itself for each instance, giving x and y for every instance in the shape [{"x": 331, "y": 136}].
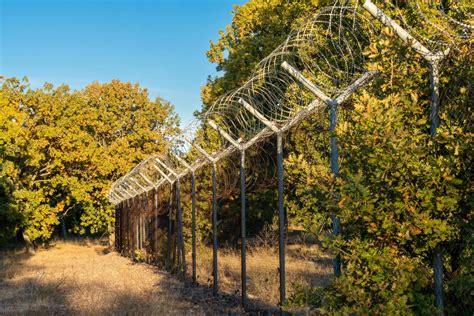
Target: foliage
[
  {"x": 304, "y": 295},
  {"x": 61, "y": 149},
  {"x": 9, "y": 216},
  {"x": 141, "y": 255}
]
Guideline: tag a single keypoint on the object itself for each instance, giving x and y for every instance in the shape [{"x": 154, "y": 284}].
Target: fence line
[{"x": 308, "y": 61}]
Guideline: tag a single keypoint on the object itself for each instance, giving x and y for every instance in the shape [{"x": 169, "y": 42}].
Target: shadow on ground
[
  {"x": 74, "y": 278},
  {"x": 57, "y": 282}
]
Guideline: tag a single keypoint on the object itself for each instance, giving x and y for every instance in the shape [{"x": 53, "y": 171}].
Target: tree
[
  {"x": 125, "y": 127},
  {"x": 62, "y": 149},
  {"x": 26, "y": 157}
]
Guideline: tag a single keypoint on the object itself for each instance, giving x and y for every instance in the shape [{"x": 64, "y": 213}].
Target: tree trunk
[
  {"x": 63, "y": 228},
  {"x": 30, "y": 248}
]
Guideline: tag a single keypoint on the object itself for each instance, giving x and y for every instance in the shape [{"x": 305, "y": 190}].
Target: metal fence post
[
  {"x": 129, "y": 229},
  {"x": 155, "y": 234},
  {"x": 335, "y": 171},
  {"x": 147, "y": 224},
  {"x": 214, "y": 229},
  {"x": 193, "y": 223},
  {"x": 281, "y": 217},
  {"x": 333, "y": 104},
  {"x": 170, "y": 228},
  {"x": 117, "y": 207},
  {"x": 243, "y": 255},
  {"x": 178, "y": 239},
  {"x": 433, "y": 60},
  {"x": 437, "y": 253},
  {"x": 181, "y": 250},
  {"x": 135, "y": 222},
  {"x": 142, "y": 220},
  {"x": 120, "y": 227},
  {"x": 179, "y": 225},
  {"x": 213, "y": 161}
]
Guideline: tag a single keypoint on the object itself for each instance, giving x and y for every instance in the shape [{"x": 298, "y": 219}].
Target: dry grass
[
  {"x": 77, "y": 278},
  {"x": 305, "y": 264},
  {"x": 86, "y": 278}
]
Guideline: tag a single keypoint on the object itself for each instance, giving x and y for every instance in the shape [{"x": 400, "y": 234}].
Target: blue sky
[{"x": 159, "y": 44}]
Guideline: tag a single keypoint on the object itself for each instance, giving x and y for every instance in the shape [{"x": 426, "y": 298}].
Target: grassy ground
[
  {"x": 305, "y": 264},
  {"x": 81, "y": 278}
]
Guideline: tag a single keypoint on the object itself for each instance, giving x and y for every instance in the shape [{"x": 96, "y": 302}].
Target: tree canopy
[{"x": 61, "y": 149}]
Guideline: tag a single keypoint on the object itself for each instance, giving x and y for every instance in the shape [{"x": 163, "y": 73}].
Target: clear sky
[{"x": 159, "y": 44}]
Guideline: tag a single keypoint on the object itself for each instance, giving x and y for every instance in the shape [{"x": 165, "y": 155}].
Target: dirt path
[{"x": 74, "y": 278}]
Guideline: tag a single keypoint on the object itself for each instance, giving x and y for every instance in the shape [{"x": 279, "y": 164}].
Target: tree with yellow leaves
[{"x": 61, "y": 149}]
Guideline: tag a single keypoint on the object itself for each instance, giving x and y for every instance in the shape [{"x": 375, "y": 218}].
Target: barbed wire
[
  {"x": 325, "y": 53},
  {"x": 326, "y": 49},
  {"x": 436, "y": 27}
]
